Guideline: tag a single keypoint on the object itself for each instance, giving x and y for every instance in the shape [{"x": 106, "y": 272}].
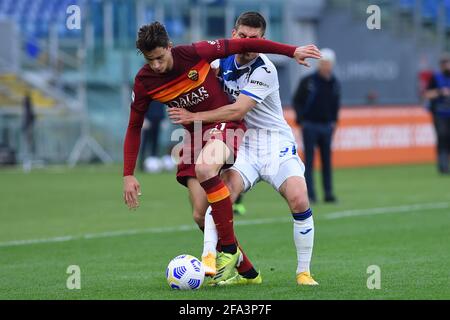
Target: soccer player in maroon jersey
[{"x": 181, "y": 77}]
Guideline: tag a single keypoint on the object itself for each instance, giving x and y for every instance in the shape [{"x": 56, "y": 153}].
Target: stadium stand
[
  {"x": 13, "y": 89},
  {"x": 92, "y": 68}
]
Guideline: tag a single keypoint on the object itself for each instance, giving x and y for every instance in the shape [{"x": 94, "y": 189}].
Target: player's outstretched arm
[
  {"x": 229, "y": 112},
  {"x": 305, "y": 52},
  {"x": 211, "y": 50}
]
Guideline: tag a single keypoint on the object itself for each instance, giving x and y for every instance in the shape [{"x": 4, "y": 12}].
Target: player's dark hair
[
  {"x": 251, "y": 19},
  {"x": 151, "y": 36}
]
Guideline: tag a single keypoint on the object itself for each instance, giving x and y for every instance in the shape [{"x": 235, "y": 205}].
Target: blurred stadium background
[
  {"x": 81, "y": 79},
  {"x": 80, "y": 83}
]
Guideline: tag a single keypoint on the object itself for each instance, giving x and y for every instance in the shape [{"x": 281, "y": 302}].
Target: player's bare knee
[
  {"x": 229, "y": 183},
  {"x": 234, "y": 183},
  {"x": 225, "y": 176},
  {"x": 299, "y": 203},
  {"x": 204, "y": 171}
]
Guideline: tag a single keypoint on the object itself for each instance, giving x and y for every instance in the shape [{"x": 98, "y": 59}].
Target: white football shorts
[{"x": 273, "y": 165}]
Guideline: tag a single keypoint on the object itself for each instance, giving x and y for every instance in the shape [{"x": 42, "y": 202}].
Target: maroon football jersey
[{"x": 191, "y": 84}]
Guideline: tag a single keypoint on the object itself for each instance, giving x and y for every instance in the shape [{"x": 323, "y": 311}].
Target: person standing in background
[
  {"x": 317, "y": 103},
  {"x": 438, "y": 94},
  {"x": 28, "y": 120}
]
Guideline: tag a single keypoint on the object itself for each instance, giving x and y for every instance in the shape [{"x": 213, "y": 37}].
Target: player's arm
[
  {"x": 262, "y": 82},
  {"x": 230, "y": 112},
  {"x": 222, "y": 48},
  {"x": 139, "y": 105}
]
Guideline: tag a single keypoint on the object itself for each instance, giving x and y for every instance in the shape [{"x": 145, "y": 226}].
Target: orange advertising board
[{"x": 370, "y": 136}]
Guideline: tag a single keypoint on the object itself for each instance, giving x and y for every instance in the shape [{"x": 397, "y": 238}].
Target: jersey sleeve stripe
[
  {"x": 198, "y": 66},
  {"x": 183, "y": 86},
  {"x": 251, "y": 95}
]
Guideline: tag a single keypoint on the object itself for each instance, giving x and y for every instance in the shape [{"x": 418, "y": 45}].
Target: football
[{"x": 185, "y": 272}]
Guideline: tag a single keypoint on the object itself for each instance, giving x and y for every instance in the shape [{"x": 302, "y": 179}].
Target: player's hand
[
  {"x": 181, "y": 116},
  {"x": 131, "y": 192},
  {"x": 305, "y": 52}
]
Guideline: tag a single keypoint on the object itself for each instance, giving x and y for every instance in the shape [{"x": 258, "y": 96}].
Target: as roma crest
[{"x": 193, "y": 75}]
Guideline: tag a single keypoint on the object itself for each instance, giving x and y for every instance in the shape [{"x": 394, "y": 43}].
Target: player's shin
[
  {"x": 304, "y": 239},
  {"x": 210, "y": 237},
  {"x": 210, "y": 240},
  {"x": 222, "y": 212}
]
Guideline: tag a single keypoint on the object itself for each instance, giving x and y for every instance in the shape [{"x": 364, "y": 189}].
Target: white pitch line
[
  {"x": 190, "y": 227},
  {"x": 119, "y": 233},
  {"x": 398, "y": 209},
  {"x": 35, "y": 241}
]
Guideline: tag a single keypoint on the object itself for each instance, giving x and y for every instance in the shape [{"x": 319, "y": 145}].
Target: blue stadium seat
[
  {"x": 430, "y": 10},
  {"x": 447, "y": 13},
  {"x": 175, "y": 27},
  {"x": 407, "y": 5},
  {"x": 35, "y": 17}
]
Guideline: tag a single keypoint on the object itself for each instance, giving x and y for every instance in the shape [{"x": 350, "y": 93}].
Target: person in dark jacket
[
  {"x": 28, "y": 120},
  {"x": 317, "y": 103},
  {"x": 438, "y": 93}
]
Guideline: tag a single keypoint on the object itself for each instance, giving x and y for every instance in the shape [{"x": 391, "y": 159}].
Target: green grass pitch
[{"x": 399, "y": 221}]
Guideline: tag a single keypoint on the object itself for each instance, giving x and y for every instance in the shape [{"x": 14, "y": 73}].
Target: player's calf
[
  {"x": 295, "y": 192},
  {"x": 199, "y": 219}
]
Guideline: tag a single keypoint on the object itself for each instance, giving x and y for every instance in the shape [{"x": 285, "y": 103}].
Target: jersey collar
[{"x": 244, "y": 65}]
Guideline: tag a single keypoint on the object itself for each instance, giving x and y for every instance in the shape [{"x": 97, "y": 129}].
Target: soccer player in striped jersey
[
  {"x": 268, "y": 151},
  {"x": 182, "y": 78}
]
